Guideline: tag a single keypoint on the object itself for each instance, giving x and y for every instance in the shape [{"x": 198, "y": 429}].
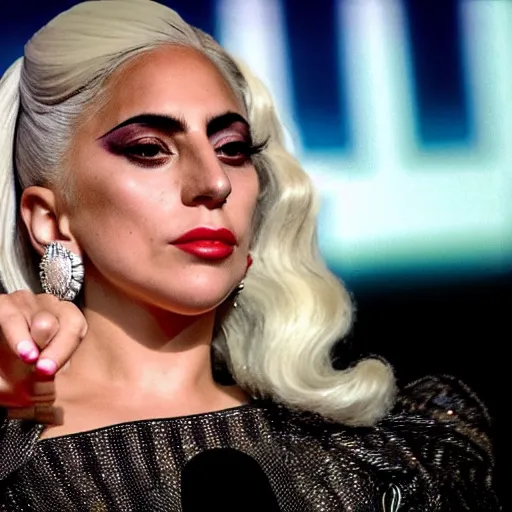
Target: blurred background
[{"x": 401, "y": 112}]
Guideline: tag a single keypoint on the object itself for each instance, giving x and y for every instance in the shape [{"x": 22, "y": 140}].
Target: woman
[{"x": 151, "y": 182}]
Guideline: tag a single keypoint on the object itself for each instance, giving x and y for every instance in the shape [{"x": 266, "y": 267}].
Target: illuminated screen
[{"x": 402, "y": 115}]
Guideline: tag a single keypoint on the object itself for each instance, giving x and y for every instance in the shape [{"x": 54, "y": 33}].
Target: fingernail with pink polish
[
  {"x": 27, "y": 350},
  {"x": 46, "y": 366}
]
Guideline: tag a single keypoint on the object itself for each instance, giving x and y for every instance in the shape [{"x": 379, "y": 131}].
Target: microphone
[{"x": 227, "y": 480}]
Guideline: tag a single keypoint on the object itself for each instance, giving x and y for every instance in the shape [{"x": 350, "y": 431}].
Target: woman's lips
[
  {"x": 207, "y": 243},
  {"x": 207, "y": 249}
]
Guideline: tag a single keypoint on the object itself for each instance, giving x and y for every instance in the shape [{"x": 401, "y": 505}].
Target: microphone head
[{"x": 227, "y": 480}]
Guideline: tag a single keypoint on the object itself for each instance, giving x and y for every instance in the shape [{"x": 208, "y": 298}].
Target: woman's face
[{"x": 168, "y": 153}]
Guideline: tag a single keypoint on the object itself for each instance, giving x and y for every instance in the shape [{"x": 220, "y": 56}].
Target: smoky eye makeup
[
  {"x": 135, "y": 143},
  {"x": 231, "y": 135},
  {"x": 140, "y": 140},
  {"x": 234, "y": 144}
]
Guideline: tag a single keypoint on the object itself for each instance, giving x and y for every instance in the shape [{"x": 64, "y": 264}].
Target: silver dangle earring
[
  {"x": 61, "y": 272},
  {"x": 237, "y": 291}
]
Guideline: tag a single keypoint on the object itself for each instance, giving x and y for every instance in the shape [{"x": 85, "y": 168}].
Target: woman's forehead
[
  {"x": 169, "y": 77},
  {"x": 170, "y": 80}
]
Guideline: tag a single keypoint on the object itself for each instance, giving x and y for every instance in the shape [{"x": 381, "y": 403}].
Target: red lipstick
[{"x": 207, "y": 243}]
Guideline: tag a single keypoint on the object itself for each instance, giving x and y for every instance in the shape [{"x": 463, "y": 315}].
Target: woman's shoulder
[
  {"x": 447, "y": 408},
  {"x": 447, "y": 431},
  {"x": 439, "y": 404},
  {"x": 442, "y": 397},
  {"x": 433, "y": 450},
  {"x": 432, "y": 401}
]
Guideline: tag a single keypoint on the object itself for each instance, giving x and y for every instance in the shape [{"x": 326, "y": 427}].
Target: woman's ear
[{"x": 44, "y": 223}]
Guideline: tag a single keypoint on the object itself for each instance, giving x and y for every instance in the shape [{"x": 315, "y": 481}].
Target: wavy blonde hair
[{"x": 293, "y": 311}]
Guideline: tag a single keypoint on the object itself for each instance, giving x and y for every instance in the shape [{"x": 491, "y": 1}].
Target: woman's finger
[
  {"x": 15, "y": 331},
  {"x": 72, "y": 329},
  {"x": 44, "y": 326}
]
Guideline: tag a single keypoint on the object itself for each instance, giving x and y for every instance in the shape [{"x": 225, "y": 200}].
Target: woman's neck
[
  {"x": 138, "y": 362},
  {"x": 136, "y": 346}
]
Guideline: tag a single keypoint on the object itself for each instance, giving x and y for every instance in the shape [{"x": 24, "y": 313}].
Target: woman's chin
[{"x": 193, "y": 305}]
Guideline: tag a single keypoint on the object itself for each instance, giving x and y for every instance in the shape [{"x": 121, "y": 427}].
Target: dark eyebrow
[
  {"x": 179, "y": 125},
  {"x": 158, "y": 121},
  {"x": 218, "y": 123}
]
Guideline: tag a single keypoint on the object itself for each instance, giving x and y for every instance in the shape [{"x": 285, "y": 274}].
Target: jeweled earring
[
  {"x": 61, "y": 272},
  {"x": 237, "y": 291},
  {"x": 241, "y": 286}
]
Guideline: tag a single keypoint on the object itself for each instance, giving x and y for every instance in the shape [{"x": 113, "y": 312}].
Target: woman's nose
[{"x": 204, "y": 180}]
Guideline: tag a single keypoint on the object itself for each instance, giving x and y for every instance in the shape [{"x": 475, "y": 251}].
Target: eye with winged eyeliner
[
  {"x": 229, "y": 133},
  {"x": 134, "y": 143}
]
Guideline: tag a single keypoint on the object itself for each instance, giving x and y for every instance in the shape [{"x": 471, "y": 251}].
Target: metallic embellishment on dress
[
  {"x": 392, "y": 499},
  {"x": 61, "y": 272}
]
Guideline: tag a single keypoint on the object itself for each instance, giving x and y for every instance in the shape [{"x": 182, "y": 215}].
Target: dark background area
[{"x": 461, "y": 330}]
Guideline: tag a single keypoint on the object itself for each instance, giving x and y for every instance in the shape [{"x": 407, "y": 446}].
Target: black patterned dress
[{"x": 431, "y": 454}]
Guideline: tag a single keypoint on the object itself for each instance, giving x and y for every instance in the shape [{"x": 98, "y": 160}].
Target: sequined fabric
[{"x": 433, "y": 453}]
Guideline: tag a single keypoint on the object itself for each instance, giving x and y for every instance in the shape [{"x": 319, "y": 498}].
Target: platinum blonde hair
[{"x": 293, "y": 311}]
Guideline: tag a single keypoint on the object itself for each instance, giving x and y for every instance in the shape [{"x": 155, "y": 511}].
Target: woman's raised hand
[{"x": 38, "y": 335}]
